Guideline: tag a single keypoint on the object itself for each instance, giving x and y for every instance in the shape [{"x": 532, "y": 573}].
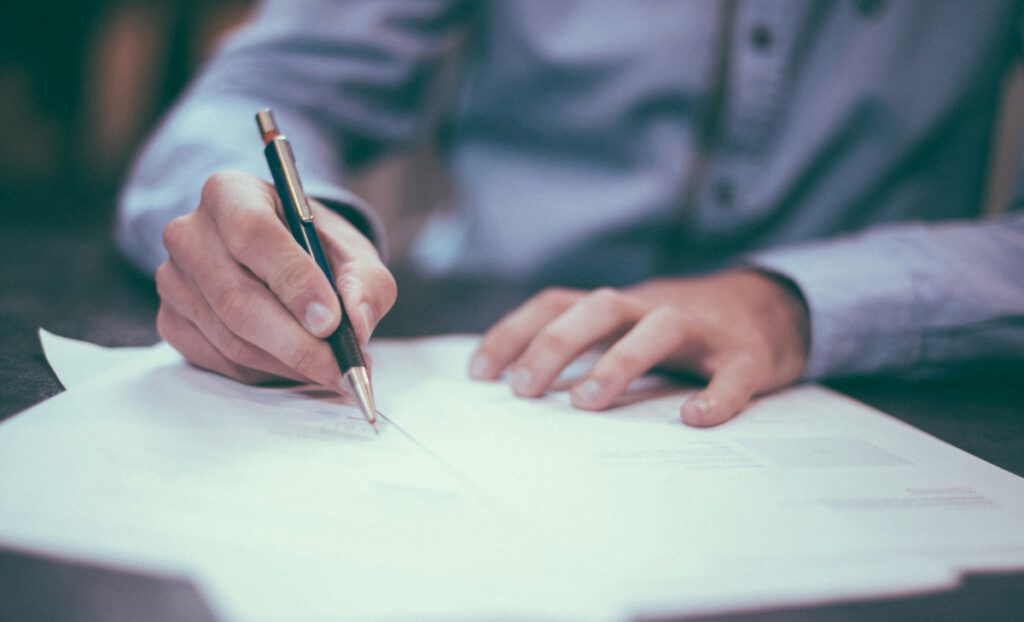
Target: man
[{"x": 776, "y": 190}]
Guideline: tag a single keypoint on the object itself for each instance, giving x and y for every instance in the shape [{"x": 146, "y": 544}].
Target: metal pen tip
[{"x": 359, "y": 381}]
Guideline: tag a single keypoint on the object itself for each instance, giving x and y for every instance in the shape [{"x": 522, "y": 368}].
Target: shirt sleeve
[
  {"x": 347, "y": 82},
  {"x": 912, "y": 299}
]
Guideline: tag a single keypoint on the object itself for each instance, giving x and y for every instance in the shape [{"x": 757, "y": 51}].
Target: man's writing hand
[
  {"x": 238, "y": 296},
  {"x": 744, "y": 331}
]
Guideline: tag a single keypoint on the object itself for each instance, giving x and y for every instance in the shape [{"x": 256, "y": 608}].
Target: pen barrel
[
  {"x": 290, "y": 198},
  {"x": 342, "y": 341}
]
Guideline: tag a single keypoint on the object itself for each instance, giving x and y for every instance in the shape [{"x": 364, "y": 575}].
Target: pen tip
[{"x": 359, "y": 381}]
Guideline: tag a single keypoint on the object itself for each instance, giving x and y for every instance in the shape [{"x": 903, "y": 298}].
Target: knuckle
[
  {"x": 292, "y": 278},
  {"x": 237, "y": 309},
  {"x": 607, "y": 300},
  {"x": 557, "y": 297},
  {"x": 607, "y": 295},
  {"x": 508, "y": 327},
  {"x": 173, "y": 293},
  {"x": 247, "y": 231},
  {"x": 196, "y": 309},
  {"x": 493, "y": 341},
  {"x": 176, "y": 234},
  {"x": 304, "y": 360},
  {"x": 216, "y": 186},
  {"x": 225, "y": 192},
  {"x": 384, "y": 282},
  {"x": 619, "y": 362},
  {"x": 164, "y": 326},
  {"x": 236, "y": 350},
  {"x": 749, "y": 359},
  {"x": 162, "y": 279},
  {"x": 551, "y": 341},
  {"x": 668, "y": 317},
  {"x": 668, "y": 314}
]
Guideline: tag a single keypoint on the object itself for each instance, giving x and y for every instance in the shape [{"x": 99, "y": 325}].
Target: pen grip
[{"x": 344, "y": 344}]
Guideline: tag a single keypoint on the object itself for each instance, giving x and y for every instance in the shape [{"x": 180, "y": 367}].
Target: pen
[{"x": 296, "y": 209}]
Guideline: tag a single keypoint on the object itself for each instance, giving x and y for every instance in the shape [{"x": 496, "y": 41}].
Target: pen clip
[
  {"x": 284, "y": 157},
  {"x": 291, "y": 175}
]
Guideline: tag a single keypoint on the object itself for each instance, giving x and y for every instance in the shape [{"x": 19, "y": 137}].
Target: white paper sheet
[
  {"x": 282, "y": 504},
  {"x": 75, "y": 361}
]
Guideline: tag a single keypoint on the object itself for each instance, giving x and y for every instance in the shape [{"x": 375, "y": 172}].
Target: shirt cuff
[
  {"x": 355, "y": 210},
  {"x": 166, "y": 181},
  {"x": 861, "y": 306}
]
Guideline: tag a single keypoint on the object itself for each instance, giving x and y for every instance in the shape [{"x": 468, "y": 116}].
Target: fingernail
[
  {"x": 369, "y": 319},
  {"x": 318, "y": 318},
  {"x": 480, "y": 366},
  {"x": 696, "y": 411},
  {"x": 522, "y": 381},
  {"x": 587, "y": 392}
]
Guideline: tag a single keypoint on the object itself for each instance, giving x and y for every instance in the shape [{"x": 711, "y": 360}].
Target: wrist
[{"x": 782, "y": 306}]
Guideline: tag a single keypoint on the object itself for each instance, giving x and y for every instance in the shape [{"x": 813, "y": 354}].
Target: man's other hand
[
  {"x": 239, "y": 297},
  {"x": 746, "y": 332}
]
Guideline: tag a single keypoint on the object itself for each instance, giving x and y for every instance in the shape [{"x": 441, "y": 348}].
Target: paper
[
  {"x": 75, "y": 362},
  {"x": 281, "y": 504}
]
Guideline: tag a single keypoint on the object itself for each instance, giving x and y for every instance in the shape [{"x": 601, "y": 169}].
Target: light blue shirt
[{"x": 841, "y": 144}]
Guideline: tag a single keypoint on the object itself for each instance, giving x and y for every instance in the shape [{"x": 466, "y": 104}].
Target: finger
[
  {"x": 178, "y": 291},
  {"x": 368, "y": 359},
  {"x": 728, "y": 392},
  {"x": 242, "y": 209},
  {"x": 594, "y": 318},
  {"x": 368, "y": 291},
  {"x": 366, "y": 286},
  {"x": 658, "y": 335},
  {"x": 245, "y": 305},
  {"x": 193, "y": 345},
  {"x": 506, "y": 340}
]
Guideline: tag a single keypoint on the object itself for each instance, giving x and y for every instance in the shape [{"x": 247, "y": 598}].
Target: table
[{"x": 72, "y": 282}]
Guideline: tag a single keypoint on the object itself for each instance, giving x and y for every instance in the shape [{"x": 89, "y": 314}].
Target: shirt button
[
  {"x": 761, "y": 38},
  {"x": 724, "y": 192}
]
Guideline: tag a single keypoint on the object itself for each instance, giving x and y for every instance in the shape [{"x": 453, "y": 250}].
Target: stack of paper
[{"x": 282, "y": 504}]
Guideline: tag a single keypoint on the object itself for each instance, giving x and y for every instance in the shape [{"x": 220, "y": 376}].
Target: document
[
  {"x": 74, "y": 362},
  {"x": 282, "y": 504}
]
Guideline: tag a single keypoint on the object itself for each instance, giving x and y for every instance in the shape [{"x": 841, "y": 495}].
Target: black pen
[{"x": 296, "y": 209}]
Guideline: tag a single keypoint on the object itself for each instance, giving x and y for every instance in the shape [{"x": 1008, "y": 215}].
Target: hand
[
  {"x": 239, "y": 297},
  {"x": 745, "y": 331}
]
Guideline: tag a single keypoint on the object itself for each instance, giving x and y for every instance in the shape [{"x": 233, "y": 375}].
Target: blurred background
[{"x": 81, "y": 82}]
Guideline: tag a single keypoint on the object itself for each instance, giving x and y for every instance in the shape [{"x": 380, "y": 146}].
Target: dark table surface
[{"x": 71, "y": 282}]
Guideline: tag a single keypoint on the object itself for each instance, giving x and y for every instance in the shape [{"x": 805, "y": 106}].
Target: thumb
[{"x": 728, "y": 392}]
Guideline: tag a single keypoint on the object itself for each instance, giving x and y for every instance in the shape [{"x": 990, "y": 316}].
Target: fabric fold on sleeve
[
  {"x": 909, "y": 298},
  {"x": 346, "y": 82}
]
